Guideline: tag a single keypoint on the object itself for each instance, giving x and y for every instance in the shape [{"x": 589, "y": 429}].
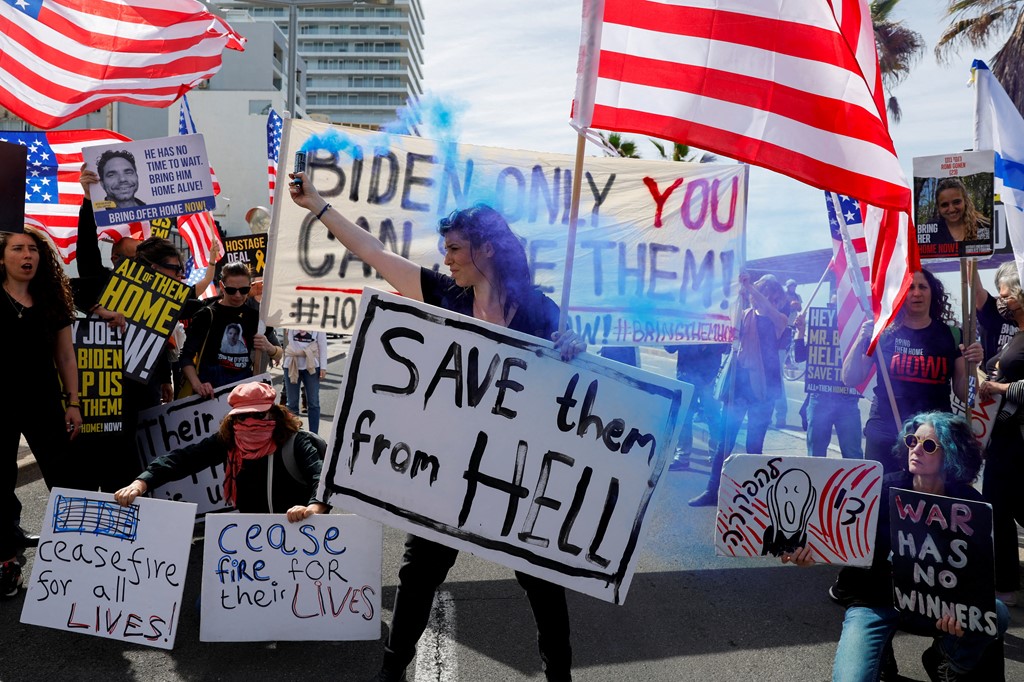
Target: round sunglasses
[{"x": 929, "y": 445}]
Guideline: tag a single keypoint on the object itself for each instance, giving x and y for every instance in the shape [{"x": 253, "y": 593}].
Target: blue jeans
[
  {"x": 312, "y": 383},
  {"x": 825, "y": 411},
  {"x": 866, "y": 631}
]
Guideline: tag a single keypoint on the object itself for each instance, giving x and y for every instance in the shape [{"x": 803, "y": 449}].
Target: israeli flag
[{"x": 999, "y": 126}]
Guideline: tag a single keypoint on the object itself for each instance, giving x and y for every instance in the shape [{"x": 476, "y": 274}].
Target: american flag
[
  {"x": 790, "y": 85},
  {"x": 197, "y": 229},
  {"x": 66, "y": 58},
  {"x": 274, "y": 125},
  {"x": 194, "y": 274},
  {"x": 53, "y": 194},
  {"x": 851, "y": 282}
]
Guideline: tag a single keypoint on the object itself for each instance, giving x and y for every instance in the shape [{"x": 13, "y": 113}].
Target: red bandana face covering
[{"x": 253, "y": 440}]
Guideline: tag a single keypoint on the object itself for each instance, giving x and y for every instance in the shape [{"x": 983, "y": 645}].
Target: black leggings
[{"x": 425, "y": 566}]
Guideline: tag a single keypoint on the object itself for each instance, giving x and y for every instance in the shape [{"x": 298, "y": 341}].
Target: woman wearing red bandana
[{"x": 250, "y": 445}]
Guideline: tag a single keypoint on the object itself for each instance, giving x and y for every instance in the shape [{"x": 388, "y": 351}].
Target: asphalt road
[{"x": 689, "y": 615}]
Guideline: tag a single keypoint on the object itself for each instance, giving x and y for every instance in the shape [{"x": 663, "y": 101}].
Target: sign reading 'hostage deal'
[{"x": 483, "y": 439}]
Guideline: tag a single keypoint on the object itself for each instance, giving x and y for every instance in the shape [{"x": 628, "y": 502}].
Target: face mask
[{"x": 1004, "y": 310}]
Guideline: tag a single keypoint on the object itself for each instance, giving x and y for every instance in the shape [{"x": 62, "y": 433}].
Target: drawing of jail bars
[{"x": 96, "y": 517}]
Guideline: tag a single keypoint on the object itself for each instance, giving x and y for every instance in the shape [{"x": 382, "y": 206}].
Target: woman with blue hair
[
  {"x": 939, "y": 456},
  {"x": 490, "y": 280}
]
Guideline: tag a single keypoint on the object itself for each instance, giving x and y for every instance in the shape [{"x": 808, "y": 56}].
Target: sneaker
[
  {"x": 10, "y": 578},
  {"x": 839, "y": 595},
  {"x": 1008, "y": 598},
  {"x": 938, "y": 666},
  {"x": 708, "y": 498},
  {"x": 681, "y": 462}
]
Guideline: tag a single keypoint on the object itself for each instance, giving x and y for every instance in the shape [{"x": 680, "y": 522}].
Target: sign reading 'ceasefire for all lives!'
[{"x": 483, "y": 439}]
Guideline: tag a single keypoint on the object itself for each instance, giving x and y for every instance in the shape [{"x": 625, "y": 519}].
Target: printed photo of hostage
[
  {"x": 939, "y": 456},
  {"x": 119, "y": 177},
  {"x": 953, "y": 204},
  {"x": 149, "y": 179}
]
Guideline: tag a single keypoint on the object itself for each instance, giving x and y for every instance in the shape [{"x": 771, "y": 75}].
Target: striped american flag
[
  {"x": 851, "y": 282},
  {"x": 197, "y": 229},
  {"x": 789, "y": 85},
  {"x": 66, "y": 58},
  {"x": 53, "y": 194},
  {"x": 274, "y": 125}
]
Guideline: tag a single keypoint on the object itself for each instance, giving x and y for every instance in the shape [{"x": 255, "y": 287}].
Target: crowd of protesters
[{"x": 225, "y": 342}]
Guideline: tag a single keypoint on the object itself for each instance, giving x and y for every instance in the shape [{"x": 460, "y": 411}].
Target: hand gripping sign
[{"x": 483, "y": 439}]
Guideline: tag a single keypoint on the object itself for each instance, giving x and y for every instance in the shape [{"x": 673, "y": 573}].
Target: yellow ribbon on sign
[{"x": 259, "y": 260}]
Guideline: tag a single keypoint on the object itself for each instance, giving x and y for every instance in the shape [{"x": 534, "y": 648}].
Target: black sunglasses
[
  {"x": 929, "y": 445},
  {"x": 176, "y": 268},
  {"x": 237, "y": 290}
]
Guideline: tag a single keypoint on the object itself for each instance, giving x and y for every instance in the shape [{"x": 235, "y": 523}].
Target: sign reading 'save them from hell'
[
  {"x": 151, "y": 303},
  {"x": 771, "y": 505},
  {"x": 111, "y": 571},
  {"x": 483, "y": 439},
  {"x": 187, "y": 421},
  {"x": 265, "y": 579},
  {"x": 658, "y": 251}
]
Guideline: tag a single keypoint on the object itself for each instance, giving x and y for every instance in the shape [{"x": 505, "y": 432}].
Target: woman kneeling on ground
[
  {"x": 939, "y": 456},
  {"x": 253, "y": 445}
]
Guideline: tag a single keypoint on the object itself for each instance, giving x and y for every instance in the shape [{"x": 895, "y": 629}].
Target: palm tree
[
  {"x": 898, "y": 47},
  {"x": 683, "y": 152},
  {"x": 622, "y": 147},
  {"x": 980, "y": 22}
]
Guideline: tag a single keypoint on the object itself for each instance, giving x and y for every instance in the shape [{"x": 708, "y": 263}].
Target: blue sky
[{"x": 512, "y": 66}]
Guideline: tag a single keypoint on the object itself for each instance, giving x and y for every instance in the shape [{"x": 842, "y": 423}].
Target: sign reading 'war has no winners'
[{"x": 483, "y": 439}]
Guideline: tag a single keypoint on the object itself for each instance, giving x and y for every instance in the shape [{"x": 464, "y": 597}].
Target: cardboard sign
[
  {"x": 953, "y": 197},
  {"x": 171, "y": 426},
  {"x": 151, "y": 304},
  {"x": 265, "y": 579},
  {"x": 657, "y": 247},
  {"x": 824, "y": 354},
  {"x": 111, "y": 571},
  {"x": 149, "y": 179},
  {"x": 161, "y": 227},
  {"x": 942, "y": 559},
  {"x": 481, "y": 438},
  {"x": 99, "y": 350},
  {"x": 13, "y": 165},
  {"x": 770, "y": 505},
  {"x": 249, "y": 249}
]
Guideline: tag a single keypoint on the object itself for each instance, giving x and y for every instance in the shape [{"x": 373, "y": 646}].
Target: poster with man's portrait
[
  {"x": 953, "y": 197},
  {"x": 150, "y": 179}
]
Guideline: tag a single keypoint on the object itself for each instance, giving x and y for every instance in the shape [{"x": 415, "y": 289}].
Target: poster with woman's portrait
[{"x": 953, "y": 196}]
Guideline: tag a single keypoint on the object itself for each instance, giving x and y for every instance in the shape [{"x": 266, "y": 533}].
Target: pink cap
[{"x": 251, "y": 397}]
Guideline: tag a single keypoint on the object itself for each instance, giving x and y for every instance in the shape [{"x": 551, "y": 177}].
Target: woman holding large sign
[
  {"x": 939, "y": 456},
  {"x": 36, "y": 318},
  {"x": 490, "y": 280}
]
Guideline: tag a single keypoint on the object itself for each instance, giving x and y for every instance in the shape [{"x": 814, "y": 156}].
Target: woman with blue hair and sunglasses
[
  {"x": 490, "y": 280},
  {"x": 939, "y": 456}
]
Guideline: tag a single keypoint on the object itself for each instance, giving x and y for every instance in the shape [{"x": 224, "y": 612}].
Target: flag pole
[
  {"x": 863, "y": 300},
  {"x": 821, "y": 280},
  {"x": 570, "y": 242}
]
